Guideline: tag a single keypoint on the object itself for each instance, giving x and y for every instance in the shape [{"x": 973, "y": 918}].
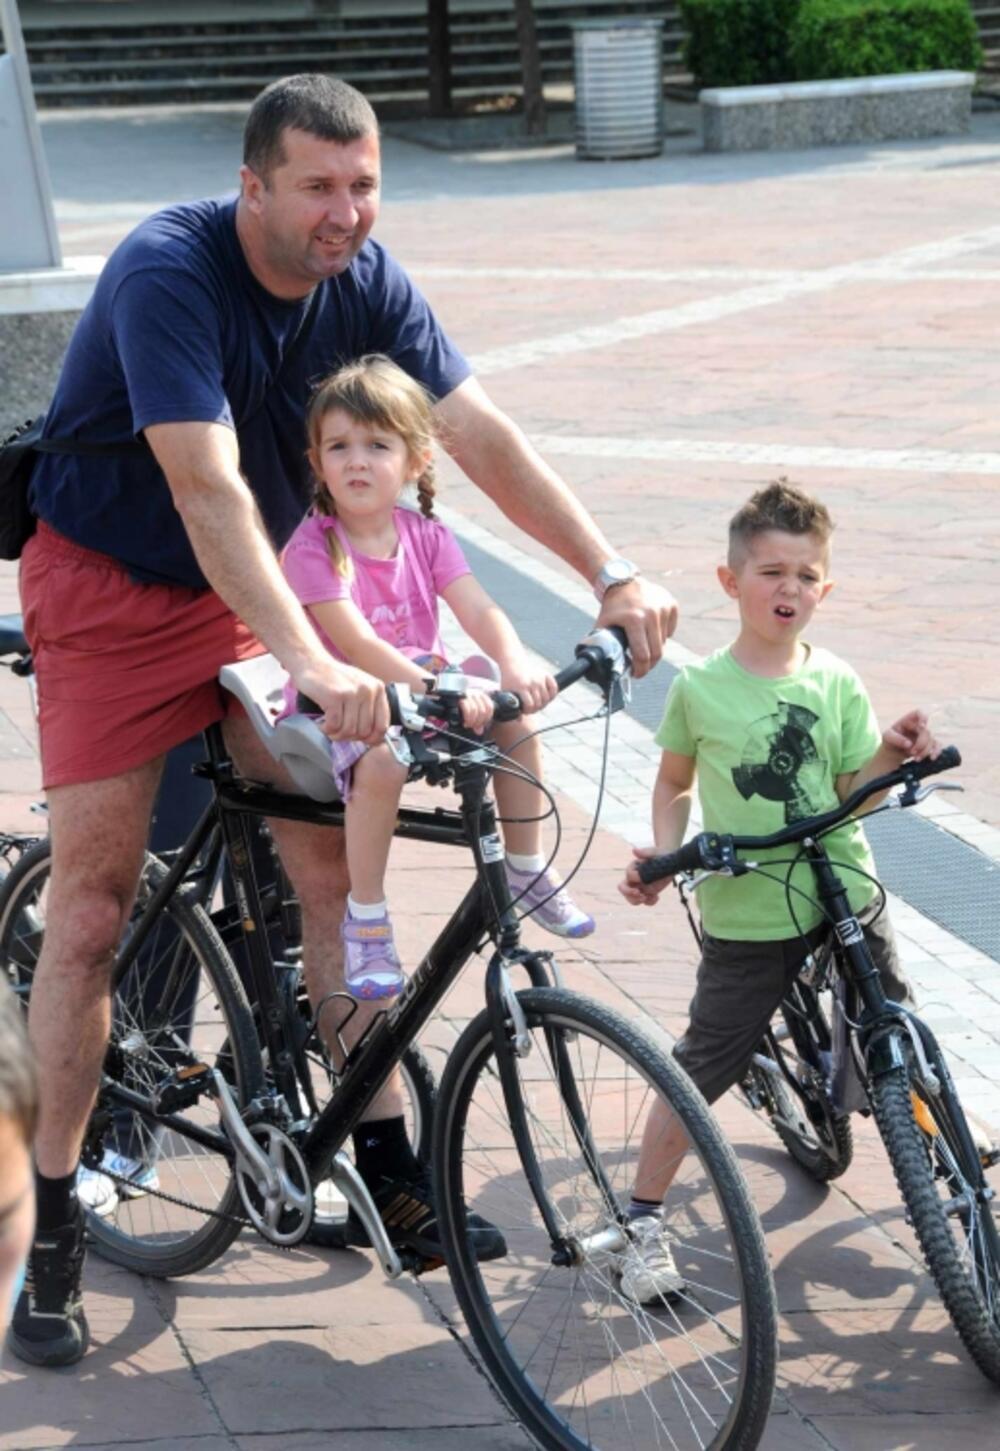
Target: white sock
[
  {"x": 533, "y": 863},
  {"x": 366, "y": 911}
]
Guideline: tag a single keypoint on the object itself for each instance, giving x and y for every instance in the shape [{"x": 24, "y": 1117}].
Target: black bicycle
[
  {"x": 838, "y": 1045},
  {"x": 538, "y": 1121}
]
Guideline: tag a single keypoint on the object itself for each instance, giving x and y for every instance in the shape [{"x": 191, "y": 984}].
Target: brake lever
[
  {"x": 912, "y": 794},
  {"x": 612, "y": 675}
]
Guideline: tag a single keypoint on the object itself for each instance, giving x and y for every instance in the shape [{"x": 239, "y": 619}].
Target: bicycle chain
[{"x": 182, "y": 1203}]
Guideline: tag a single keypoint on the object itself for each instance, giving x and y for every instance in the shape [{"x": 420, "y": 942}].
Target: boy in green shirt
[{"x": 775, "y": 730}]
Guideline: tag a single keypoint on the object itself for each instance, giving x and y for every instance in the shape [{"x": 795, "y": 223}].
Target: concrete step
[{"x": 106, "y": 59}]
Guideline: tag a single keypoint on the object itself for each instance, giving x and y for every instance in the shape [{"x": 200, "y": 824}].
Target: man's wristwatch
[{"x": 614, "y": 572}]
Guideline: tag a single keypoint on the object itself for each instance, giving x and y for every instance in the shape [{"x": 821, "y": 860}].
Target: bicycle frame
[
  {"x": 882, "y": 1023},
  {"x": 226, "y": 825}
]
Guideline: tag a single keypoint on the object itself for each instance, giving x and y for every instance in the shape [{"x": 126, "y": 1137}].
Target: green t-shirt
[{"x": 767, "y": 753}]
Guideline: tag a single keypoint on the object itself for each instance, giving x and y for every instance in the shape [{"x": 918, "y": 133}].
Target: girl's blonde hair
[{"x": 376, "y": 391}]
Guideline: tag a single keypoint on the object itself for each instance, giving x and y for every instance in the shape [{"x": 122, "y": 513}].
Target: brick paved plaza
[{"x": 671, "y": 333}]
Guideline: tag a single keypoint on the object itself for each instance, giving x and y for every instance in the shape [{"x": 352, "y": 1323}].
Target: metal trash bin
[{"x": 618, "y": 65}]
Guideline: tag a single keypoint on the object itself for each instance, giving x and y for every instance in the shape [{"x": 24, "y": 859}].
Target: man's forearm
[
  {"x": 232, "y": 548},
  {"x": 498, "y": 458}
]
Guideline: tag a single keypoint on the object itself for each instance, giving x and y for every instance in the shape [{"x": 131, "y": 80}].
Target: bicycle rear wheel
[
  {"x": 950, "y": 1206},
  {"x": 180, "y": 1002},
  {"x": 22, "y": 917},
  {"x": 579, "y": 1364},
  {"x": 803, "y": 1116}
]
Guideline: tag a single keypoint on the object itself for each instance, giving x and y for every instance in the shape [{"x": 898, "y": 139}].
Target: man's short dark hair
[
  {"x": 18, "y": 1085},
  {"x": 322, "y": 105}
]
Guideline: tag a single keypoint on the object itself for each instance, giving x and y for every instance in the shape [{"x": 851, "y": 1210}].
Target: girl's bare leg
[
  {"x": 517, "y": 798},
  {"x": 369, "y": 819}
]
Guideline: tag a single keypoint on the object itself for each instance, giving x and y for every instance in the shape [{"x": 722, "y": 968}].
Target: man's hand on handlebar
[
  {"x": 633, "y": 888},
  {"x": 535, "y": 687},
  {"x": 354, "y": 704},
  {"x": 648, "y": 615}
]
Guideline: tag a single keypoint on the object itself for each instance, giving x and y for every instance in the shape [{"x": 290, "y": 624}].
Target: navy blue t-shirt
[{"x": 179, "y": 330}]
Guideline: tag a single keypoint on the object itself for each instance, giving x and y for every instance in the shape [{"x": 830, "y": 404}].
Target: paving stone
[
  {"x": 509, "y": 1437},
  {"x": 873, "y": 364},
  {"x": 336, "y": 1379}
]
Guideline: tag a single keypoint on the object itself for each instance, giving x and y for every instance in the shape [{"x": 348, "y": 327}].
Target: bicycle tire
[
  {"x": 961, "y": 1248},
  {"x": 143, "y": 1232},
  {"x": 730, "y": 1357},
  {"x": 21, "y": 929},
  {"x": 820, "y": 1141}
]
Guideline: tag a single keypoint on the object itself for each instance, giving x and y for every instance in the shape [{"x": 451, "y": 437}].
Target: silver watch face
[{"x": 616, "y": 571}]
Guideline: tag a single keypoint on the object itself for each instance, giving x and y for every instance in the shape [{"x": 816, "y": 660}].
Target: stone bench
[{"x": 829, "y": 113}]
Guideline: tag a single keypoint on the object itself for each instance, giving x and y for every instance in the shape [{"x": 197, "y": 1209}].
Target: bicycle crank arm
[
  {"x": 250, "y": 1157},
  {"x": 355, "y": 1191}
]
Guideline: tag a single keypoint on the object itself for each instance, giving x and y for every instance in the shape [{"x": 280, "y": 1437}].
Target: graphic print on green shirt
[
  {"x": 781, "y": 763},
  {"x": 767, "y": 753}
]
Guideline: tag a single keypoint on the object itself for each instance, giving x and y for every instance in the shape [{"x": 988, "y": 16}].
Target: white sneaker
[
  {"x": 96, "y": 1192},
  {"x": 100, "y": 1194},
  {"x": 647, "y": 1271},
  {"x": 140, "y": 1176}
]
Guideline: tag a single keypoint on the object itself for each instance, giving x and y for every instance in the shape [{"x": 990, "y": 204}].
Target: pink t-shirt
[{"x": 398, "y": 596}]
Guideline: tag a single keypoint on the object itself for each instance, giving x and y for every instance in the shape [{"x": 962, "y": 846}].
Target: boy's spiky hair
[{"x": 778, "y": 506}]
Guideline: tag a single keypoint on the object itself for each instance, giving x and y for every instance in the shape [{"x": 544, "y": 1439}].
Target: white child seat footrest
[{"x": 297, "y": 743}]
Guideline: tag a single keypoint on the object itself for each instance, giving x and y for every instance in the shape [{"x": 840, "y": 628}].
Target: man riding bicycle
[{"x": 152, "y": 569}]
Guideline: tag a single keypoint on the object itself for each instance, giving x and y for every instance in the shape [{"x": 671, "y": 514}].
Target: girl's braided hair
[{"x": 376, "y": 391}]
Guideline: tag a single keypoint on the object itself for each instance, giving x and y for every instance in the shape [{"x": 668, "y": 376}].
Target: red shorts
[{"x": 125, "y": 671}]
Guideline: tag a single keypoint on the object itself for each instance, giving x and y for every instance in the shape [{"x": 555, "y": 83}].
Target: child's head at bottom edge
[{"x": 18, "y": 1110}]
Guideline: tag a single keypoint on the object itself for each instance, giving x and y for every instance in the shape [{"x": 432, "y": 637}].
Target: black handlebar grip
[
  {"x": 506, "y": 705},
  {"x": 305, "y": 706},
  {"x": 686, "y": 858},
  {"x": 947, "y": 759}
]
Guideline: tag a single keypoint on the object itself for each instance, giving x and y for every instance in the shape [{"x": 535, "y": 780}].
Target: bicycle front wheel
[
  {"x": 952, "y": 1208},
  {"x": 578, "y": 1361}
]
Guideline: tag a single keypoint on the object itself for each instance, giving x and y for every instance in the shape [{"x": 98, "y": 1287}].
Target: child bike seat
[{"x": 297, "y": 743}]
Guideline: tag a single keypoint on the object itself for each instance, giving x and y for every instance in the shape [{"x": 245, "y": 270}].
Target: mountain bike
[
  {"x": 537, "y": 1125},
  {"x": 840, "y": 1045}
]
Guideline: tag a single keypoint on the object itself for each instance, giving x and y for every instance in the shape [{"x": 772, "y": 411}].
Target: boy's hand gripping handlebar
[{"x": 712, "y": 852}]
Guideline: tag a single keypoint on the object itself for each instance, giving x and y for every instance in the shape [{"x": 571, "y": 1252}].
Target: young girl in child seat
[{"x": 370, "y": 572}]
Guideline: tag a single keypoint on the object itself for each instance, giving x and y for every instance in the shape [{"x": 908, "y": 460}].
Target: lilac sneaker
[
  {"x": 371, "y": 964},
  {"x": 548, "y": 903}
]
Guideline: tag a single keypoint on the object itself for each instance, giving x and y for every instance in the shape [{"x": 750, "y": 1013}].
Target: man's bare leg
[
  {"x": 98, "y": 833},
  {"x": 314, "y": 858}
]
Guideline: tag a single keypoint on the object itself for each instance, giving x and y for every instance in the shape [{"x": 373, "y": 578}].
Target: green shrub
[
  {"x": 836, "y": 38},
  {"x": 738, "y": 42}
]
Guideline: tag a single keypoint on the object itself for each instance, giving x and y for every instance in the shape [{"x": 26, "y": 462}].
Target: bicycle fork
[{"x": 511, "y": 1041}]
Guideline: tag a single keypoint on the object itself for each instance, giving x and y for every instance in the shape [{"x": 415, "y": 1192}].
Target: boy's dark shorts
[{"x": 739, "y": 987}]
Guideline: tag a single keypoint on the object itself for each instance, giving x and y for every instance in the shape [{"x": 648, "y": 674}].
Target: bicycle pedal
[
  {"x": 416, "y": 1264},
  {"x": 183, "y": 1088}
]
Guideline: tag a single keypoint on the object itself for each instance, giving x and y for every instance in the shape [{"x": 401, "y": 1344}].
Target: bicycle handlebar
[
  {"x": 601, "y": 657},
  {"x": 711, "y": 851}
]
